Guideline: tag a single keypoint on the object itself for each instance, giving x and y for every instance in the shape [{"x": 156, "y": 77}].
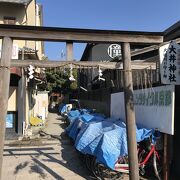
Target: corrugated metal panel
[{"x": 25, "y": 2}]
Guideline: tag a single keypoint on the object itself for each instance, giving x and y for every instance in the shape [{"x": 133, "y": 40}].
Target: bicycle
[
  {"x": 149, "y": 157},
  {"x": 101, "y": 172}
]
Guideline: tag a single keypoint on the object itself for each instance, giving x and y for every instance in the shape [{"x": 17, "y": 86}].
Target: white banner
[
  {"x": 14, "y": 51},
  {"x": 170, "y": 63},
  {"x": 154, "y": 107}
]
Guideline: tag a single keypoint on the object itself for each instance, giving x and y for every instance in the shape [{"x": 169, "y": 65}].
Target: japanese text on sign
[
  {"x": 154, "y": 107},
  {"x": 170, "y": 63},
  {"x": 161, "y": 98}
]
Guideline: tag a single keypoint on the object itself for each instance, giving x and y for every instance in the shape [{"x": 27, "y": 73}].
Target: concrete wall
[
  {"x": 96, "y": 99},
  {"x": 41, "y": 105},
  {"x": 12, "y": 101},
  {"x": 100, "y": 107},
  {"x": 99, "y": 52}
]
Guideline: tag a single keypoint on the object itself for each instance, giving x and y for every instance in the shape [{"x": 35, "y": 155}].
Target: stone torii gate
[{"x": 12, "y": 32}]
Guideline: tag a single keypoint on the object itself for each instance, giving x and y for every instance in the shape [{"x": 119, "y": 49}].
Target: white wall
[
  {"x": 41, "y": 105},
  {"x": 154, "y": 107},
  {"x": 12, "y": 101}
]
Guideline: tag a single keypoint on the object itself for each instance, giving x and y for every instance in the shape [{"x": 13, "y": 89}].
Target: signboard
[
  {"x": 154, "y": 107},
  {"x": 14, "y": 51},
  {"x": 170, "y": 63},
  {"x": 114, "y": 50}
]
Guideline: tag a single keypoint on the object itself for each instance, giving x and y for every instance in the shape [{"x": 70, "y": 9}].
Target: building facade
[{"x": 20, "y": 103}]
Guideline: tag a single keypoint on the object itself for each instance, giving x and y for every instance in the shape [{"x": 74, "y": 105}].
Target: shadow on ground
[
  {"x": 41, "y": 156},
  {"x": 68, "y": 153}
]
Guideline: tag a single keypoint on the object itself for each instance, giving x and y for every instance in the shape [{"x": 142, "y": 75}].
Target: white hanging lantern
[{"x": 100, "y": 75}]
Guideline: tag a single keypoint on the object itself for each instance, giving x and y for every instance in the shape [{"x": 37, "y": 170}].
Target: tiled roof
[
  {"x": 25, "y": 2},
  {"x": 27, "y": 50}
]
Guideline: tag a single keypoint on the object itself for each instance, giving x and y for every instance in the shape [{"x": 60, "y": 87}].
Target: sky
[{"x": 131, "y": 15}]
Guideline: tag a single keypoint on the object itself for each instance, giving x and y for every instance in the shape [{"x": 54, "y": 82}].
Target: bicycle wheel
[
  {"x": 106, "y": 173},
  {"x": 157, "y": 164},
  {"x": 102, "y": 172},
  {"x": 88, "y": 161},
  {"x": 82, "y": 157},
  {"x": 94, "y": 169}
]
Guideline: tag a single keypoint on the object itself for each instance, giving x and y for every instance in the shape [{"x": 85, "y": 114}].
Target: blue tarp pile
[
  {"x": 62, "y": 108},
  {"x": 73, "y": 115},
  {"x": 77, "y": 121},
  {"x": 104, "y": 138}
]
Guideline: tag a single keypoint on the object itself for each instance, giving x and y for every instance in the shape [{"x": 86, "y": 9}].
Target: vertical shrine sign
[{"x": 170, "y": 63}]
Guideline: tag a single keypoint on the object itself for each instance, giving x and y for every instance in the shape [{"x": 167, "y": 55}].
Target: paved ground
[
  {"x": 50, "y": 157},
  {"x": 44, "y": 158}
]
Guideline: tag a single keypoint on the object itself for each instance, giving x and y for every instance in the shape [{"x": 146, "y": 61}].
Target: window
[{"x": 9, "y": 20}]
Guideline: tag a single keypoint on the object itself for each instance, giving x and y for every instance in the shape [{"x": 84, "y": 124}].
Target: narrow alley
[{"x": 50, "y": 157}]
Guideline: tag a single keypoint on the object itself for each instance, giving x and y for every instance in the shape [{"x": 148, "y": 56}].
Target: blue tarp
[
  {"x": 94, "y": 132},
  {"x": 106, "y": 140},
  {"x": 111, "y": 146},
  {"x": 103, "y": 138},
  {"x": 73, "y": 115},
  {"x": 75, "y": 125},
  {"x": 62, "y": 108},
  {"x": 74, "y": 128}
]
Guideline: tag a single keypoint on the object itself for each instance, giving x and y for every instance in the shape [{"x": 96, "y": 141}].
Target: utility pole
[
  {"x": 130, "y": 113},
  {"x": 5, "y": 62}
]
